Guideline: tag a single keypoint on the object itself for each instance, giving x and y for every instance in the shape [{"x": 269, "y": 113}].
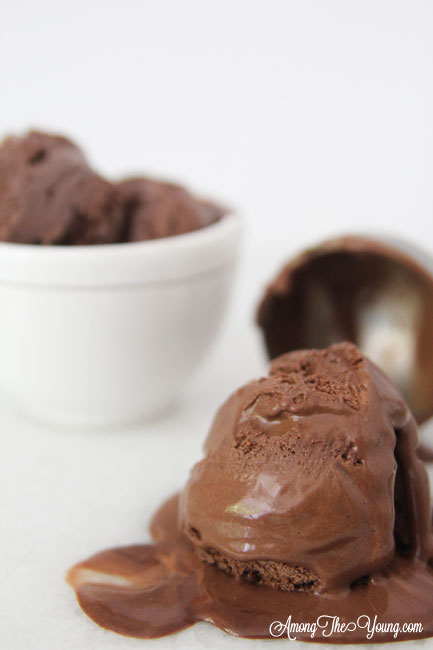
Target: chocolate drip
[
  {"x": 412, "y": 497},
  {"x": 153, "y": 590}
]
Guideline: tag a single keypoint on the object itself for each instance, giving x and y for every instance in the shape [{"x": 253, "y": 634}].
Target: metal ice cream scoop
[{"x": 377, "y": 293}]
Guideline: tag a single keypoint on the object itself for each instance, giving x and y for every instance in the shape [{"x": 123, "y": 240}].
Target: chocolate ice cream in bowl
[
  {"x": 308, "y": 518},
  {"x": 111, "y": 293}
]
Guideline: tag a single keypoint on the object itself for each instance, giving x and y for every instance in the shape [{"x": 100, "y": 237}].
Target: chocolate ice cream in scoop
[
  {"x": 377, "y": 293},
  {"x": 310, "y": 501}
]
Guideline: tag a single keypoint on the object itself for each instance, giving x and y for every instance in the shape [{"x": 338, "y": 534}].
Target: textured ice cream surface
[
  {"x": 297, "y": 487},
  {"x": 377, "y": 293}
]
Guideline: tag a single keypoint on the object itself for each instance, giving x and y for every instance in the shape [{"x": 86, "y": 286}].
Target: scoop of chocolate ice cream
[
  {"x": 50, "y": 195},
  {"x": 305, "y": 480},
  {"x": 156, "y": 209},
  {"x": 311, "y": 482},
  {"x": 373, "y": 292}
]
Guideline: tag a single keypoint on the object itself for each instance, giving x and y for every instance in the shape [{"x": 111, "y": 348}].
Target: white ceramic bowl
[{"x": 105, "y": 335}]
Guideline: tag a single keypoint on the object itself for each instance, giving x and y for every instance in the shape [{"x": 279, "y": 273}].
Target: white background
[{"x": 311, "y": 117}]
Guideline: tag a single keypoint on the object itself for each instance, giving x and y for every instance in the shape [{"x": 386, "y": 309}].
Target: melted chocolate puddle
[{"x": 153, "y": 590}]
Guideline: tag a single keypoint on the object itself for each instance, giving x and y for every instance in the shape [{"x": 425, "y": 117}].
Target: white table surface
[{"x": 313, "y": 118}]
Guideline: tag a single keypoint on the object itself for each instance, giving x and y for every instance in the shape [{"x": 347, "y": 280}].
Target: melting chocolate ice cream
[{"x": 310, "y": 501}]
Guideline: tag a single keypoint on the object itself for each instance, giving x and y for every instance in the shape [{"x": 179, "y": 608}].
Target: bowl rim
[
  {"x": 101, "y": 249},
  {"x": 155, "y": 261}
]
